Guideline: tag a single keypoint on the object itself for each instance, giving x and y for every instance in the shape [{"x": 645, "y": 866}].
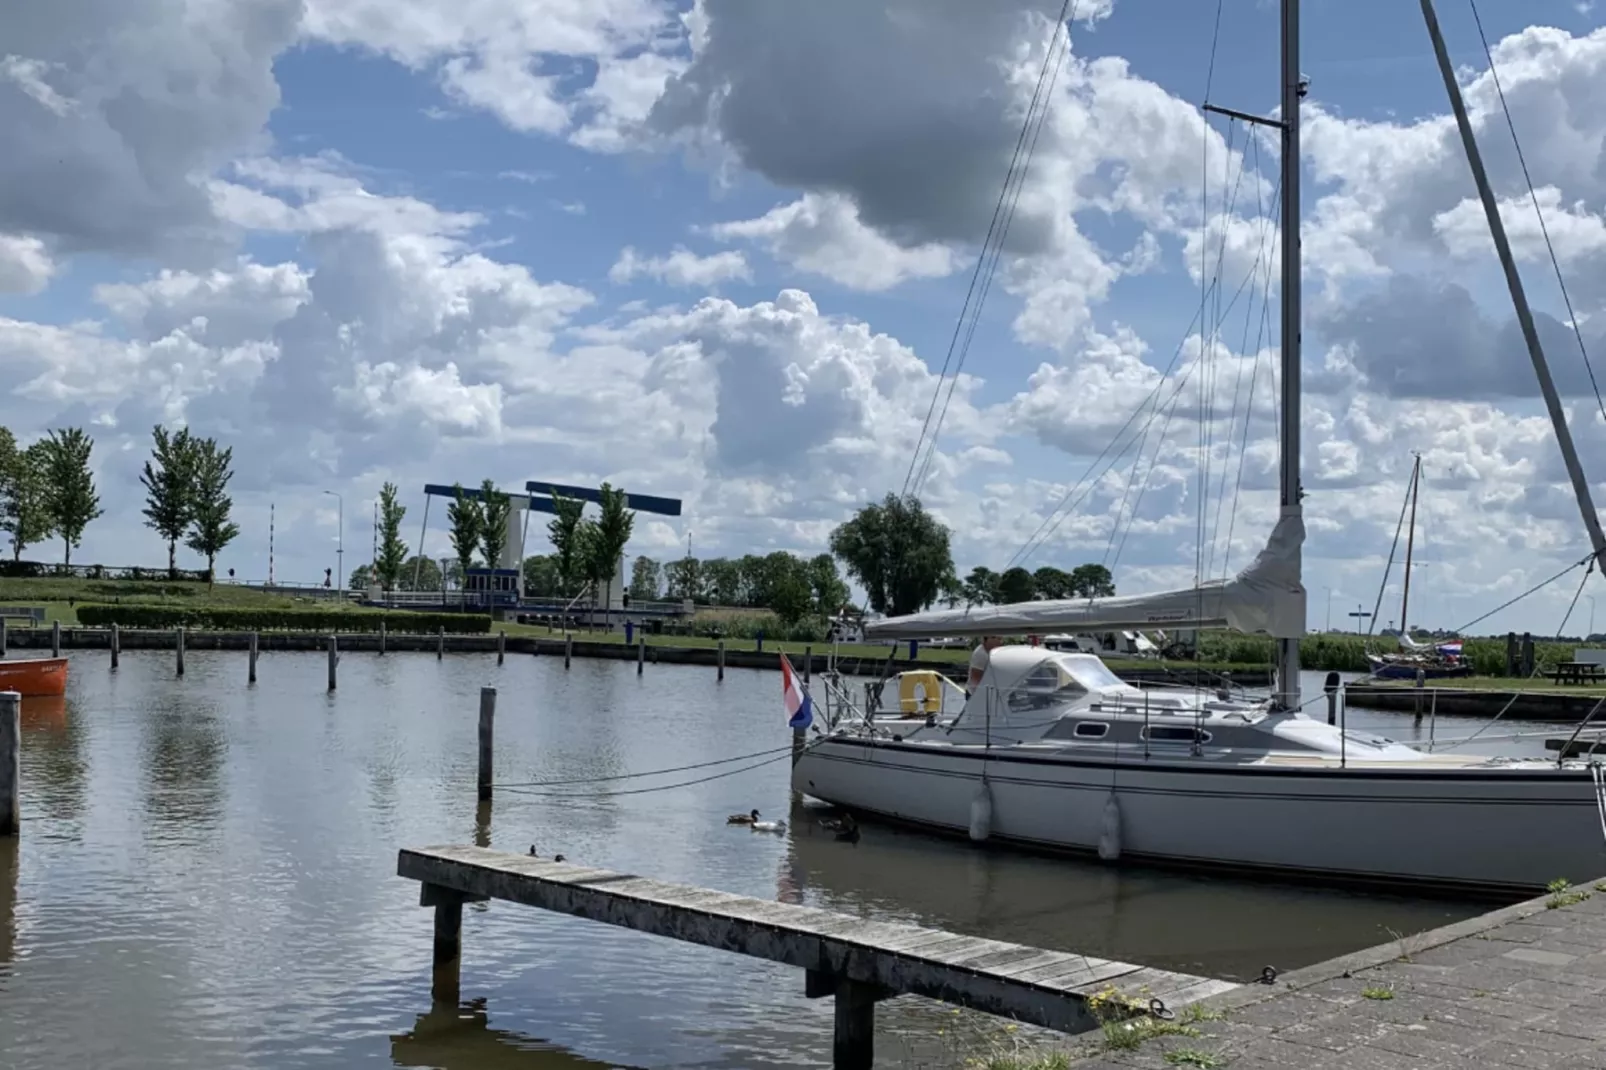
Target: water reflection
[
  {"x": 53, "y": 755},
  {"x": 461, "y": 1038},
  {"x": 182, "y": 756},
  {"x": 8, "y": 906}
]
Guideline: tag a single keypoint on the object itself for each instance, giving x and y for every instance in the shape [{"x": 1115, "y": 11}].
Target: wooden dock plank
[{"x": 1031, "y": 985}]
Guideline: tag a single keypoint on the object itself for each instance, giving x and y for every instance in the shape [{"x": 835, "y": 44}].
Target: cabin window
[
  {"x": 1091, "y": 729},
  {"x": 1169, "y": 733},
  {"x": 1045, "y": 687}
]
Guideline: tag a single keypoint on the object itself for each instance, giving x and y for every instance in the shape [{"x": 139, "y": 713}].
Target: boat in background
[{"x": 34, "y": 677}]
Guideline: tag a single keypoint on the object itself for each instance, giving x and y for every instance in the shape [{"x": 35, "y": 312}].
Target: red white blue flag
[
  {"x": 1451, "y": 649},
  {"x": 799, "y": 706}
]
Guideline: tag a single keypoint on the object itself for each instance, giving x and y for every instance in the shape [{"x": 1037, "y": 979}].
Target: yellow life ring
[{"x": 930, "y": 701}]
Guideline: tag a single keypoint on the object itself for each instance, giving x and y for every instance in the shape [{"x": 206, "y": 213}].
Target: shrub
[
  {"x": 225, "y": 618},
  {"x": 748, "y": 626}
]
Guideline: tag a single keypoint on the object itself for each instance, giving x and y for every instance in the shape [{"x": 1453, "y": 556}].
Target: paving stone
[{"x": 1540, "y": 957}]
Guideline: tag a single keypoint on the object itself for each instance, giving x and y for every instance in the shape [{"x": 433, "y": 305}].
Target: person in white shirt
[{"x": 978, "y": 660}]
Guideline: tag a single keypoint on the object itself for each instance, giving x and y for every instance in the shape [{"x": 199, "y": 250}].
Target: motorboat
[
  {"x": 34, "y": 677},
  {"x": 1053, "y": 750}
]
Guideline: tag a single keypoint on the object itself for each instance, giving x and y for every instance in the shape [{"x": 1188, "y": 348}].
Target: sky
[{"x": 719, "y": 250}]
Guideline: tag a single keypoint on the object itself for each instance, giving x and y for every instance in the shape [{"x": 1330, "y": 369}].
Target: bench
[{"x": 1578, "y": 672}]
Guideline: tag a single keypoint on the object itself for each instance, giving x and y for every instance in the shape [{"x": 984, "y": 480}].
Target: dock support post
[
  {"x": 10, "y": 763},
  {"x": 721, "y": 675},
  {"x": 55, "y": 638},
  {"x": 2, "y": 637},
  {"x": 334, "y": 660},
  {"x": 568, "y": 649},
  {"x": 487, "y": 740},
  {"x": 1527, "y": 654},
  {"x": 501, "y": 647},
  {"x": 382, "y": 637},
  {"x": 808, "y": 664},
  {"x": 251, "y": 659},
  {"x": 440, "y": 642},
  {"x": 178, "y": 647},
  {"x": 445, "y": 984},
  {"x": 853, "y": 1046},
  {"x": 641, "y": 655},
  {"x": 117, "y": 644},
  {"x": 1511, "y": 653}
]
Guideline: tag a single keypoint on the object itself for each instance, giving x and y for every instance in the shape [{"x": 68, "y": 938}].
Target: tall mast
[
  {"x": 1497, "y": 229},
  {"x": 1287, "y": 695},
  {"x": 1410, "y": 541}
]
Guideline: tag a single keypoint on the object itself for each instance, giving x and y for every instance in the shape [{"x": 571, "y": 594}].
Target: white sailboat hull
[{"x": 1485, "y": 828}]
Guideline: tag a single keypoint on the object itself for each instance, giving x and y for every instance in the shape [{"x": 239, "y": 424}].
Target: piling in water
[
  {"x": 808, "y": 663},
  {"x": 381, "y": 638},
  {"x": 117, "y": 644},
  {"x": 334, "y": 660},
  {"x": 721, "y": 674},
  {"x": 487, "y": 739},
  {"x": 568, "y": 650},
  {"x": 178, "y": 647},
  {"x": 10, "y": 763},
  {"x": 445, "y": 984},
  {"x": 55, "y": 638},
  {"x": 501, "y": 647},
  {"x": 2, "y": 637},
  {"x": 251, "y": 659},
  {"x": 440, "y": 643},
  {"x": 641, "y": 656}
]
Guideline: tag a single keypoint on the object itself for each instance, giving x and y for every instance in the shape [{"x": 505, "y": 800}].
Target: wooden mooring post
[
  {"x": 440, "y": 643},
  {"x": 334, "y": 660},
  {"x": 720, "y": 676},
  {"x": 487, "y": 740},
  {"x": 808, "y": 664},
  {"x": 178, "y": 649},
  {"x": 568, "y": 649},
  {"x": 117, "y": 644},
  {"x": 55, "y": 638},
  {"x": 10, "y": 763},
  {"x": 382, "y": 637},
  {"x": 857, "y": 962},
  {"x": 251, "y": 659},
  {"x": 3, "y": 637},
  {"x": 641, "y": 656},
  {"x": 501, "y": 647}
]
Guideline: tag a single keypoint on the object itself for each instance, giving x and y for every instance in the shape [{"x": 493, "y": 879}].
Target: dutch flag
[
  {"x": 1451, "y": 649},
  {"x": 799, "y": 707}
]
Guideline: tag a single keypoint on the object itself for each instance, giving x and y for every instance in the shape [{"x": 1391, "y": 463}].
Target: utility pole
[{"x": 340, "y": 545}]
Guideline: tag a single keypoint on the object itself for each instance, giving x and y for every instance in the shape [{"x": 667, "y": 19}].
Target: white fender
[
  {"x": 1110, "y": 835},
  {"x": 981, "y": 813}
]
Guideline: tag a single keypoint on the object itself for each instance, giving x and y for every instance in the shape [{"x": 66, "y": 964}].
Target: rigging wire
[
  {"x": 1394, "y": 547},
  {"x": 1588, "y": 572},
  {"x": 1536, "y": 587},
  {"x": 1204, "y": 289},
  {"x": 1555, "y": 264},
  {"x": 999, "y": 226},
  {"x": 643, "y": 791},
  {"x": 647, "y": 773}
]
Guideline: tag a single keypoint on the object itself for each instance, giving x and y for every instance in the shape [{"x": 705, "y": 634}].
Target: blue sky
[{"x": 373, "y": 242}]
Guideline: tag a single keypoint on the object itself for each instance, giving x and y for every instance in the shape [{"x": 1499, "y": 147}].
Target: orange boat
[{"x": 33, "y": 677}]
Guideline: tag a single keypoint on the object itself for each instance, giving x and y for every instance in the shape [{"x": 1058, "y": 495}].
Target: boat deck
[{"x": 1519, "y": 987}]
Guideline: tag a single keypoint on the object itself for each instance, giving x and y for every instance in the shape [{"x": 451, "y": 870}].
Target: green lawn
[
  {"x": 1494, "y": 683},
  {"x": 59, "y": 596}
]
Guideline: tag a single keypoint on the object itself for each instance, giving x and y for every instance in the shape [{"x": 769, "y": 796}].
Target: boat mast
[
  {"x": 1293, "y": 90},
  {"x": 1497, "y": 229},
  {"x": 1410, "y": 541}
]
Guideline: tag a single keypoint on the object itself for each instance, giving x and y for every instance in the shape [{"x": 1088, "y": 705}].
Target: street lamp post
[
  {"x": 1591, "y": 614},
  {"x": 1328, "y": 626},
  {"x": 340, "y": 545}
]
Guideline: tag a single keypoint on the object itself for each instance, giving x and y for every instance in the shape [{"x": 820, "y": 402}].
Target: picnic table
[{"x": 1578, "y": 672}]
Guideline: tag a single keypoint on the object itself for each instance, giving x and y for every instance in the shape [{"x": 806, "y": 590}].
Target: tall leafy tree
[
  {"x": 211, "y": 530},
  {"x": 646, "y": 579},
  {"x": 826, "y": 586},
  {"x": 495, "y": 508},
  {"x": 1092, "y": 581},
  {"x": 607, "y": 537},
  {"x": 684, "y": 578},
  {"x": 391, "y": 562},
  {"x": 981, "y": 587},
  {"x": 897, "y": 551},
  {"x": 541, "y": 576},
  {"x": 70, "y": 495},
  {"x": 1016, "y": 585},
  {"x": 24, "y": 504},
  {"x": 1052, "y": 583},
  {"x": 467, "y": 520},
  {"x": 565, "y": 529},
  {"x": 428, "y": 575},
  {"x": 169, "y": 479},
  {"x": 362, "y": 577}
]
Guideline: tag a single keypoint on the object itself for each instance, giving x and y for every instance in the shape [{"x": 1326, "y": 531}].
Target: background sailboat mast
[
  {"x": 1293, "y": 89},
  {"x": 1410, "y": 544},
  {"x": 1497, "y": 229}
]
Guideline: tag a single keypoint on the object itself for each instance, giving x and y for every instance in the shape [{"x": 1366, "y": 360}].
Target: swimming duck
[
  {"x": 555, "y": 858},
  {"x": 750, "y": 818},
  {"x": 769, "y": 826},
  {"x": 849, "y": 834}
]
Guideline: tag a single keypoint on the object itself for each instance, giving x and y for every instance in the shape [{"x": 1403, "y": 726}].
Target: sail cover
[{"x": 1266, "y": 598}]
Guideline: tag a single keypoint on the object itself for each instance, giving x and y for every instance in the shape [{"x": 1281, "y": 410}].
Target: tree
[
  {"x": 981, "y": 587},
  {"x": 210, "y": 527},
  {"x": 170, "y": 488},
  {"x": 646, "y": 579},
  {"x": 722, "y": 582},
  {"x": 952, "y": 591},
  {"x": 684, "y": 578},
  {"x": 495, "y": 508},
  {"x": 391, "y": 562},
  {"x": 70, "y": 496},
  {"x": 422, "y": 574},
  {"x": 24, "y": 505},
  {"x": 1016, "y": 585},
  {"x": 897, "y": 551},
  {"x": 466, "y": 519},
  {"x": 607, "y": 537},
  {"x": 541, "y": 576},
  {"x": 1092, "y": 581},
  {"x": 1052, "y": 583},
  {"x": 362, "y": 577},
  {"x": 826, "y": 585},
  {"x": 564, "y": 530},
  {"x": 791, "y": 598}
]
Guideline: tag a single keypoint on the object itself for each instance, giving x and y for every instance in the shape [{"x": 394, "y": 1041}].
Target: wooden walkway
[{"x": 856, "y": 961}]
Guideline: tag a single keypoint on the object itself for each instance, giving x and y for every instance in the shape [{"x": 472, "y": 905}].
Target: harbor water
[{"x": 206, "y": 873}]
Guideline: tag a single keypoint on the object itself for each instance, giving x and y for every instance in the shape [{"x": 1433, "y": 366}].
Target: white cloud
[
  {"x": 25, "y": 264},
  {"x": 681, "y": 267}
]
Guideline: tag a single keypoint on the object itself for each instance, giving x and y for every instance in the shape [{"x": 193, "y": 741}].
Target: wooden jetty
[{"x": 856, "y": 961}]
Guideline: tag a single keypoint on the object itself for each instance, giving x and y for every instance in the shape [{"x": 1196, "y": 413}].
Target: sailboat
[
  {"x": 1425, "y": 661},
  {"x": 1052, "y": 750}
]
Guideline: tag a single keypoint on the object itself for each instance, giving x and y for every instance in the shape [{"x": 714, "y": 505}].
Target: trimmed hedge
[
  {"x": 230, "y": 619},
  {"x": 31, "y": 570}
]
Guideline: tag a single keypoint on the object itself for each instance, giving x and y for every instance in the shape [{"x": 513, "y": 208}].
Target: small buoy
[
  {"x": 1110, "y": 835},
  {"x": 981, "y": 813}
]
